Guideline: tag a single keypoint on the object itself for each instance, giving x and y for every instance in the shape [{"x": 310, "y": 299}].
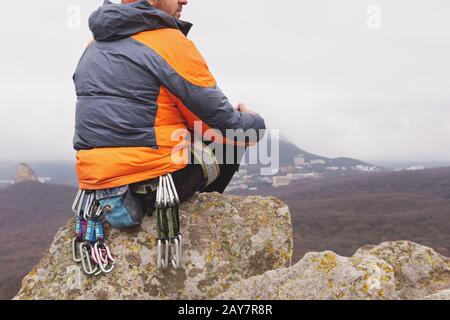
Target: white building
[
  {"x": 280, "y": 181},
  {"x": 364, "y": 168},
  {"x": 317, "y": 161},
  {"x": 299, "y": 161},
  {"x": 295, "y": 176},
  {"x": 415, "y": 168}
]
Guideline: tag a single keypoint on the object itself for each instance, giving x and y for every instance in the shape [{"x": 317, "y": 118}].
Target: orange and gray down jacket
[{"x": 140, "y": 80}]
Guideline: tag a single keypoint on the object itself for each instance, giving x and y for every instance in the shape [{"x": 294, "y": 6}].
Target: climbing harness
[
  {"x": 167, "y": 220},
  {"x": 204, "y": 155},
  {"x": 89, "y": 245}
]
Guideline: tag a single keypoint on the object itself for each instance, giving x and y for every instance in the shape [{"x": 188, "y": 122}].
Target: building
[
  {"x": 317, "y": 161},
  {"x": 299, "y": 161},
  {"x": 280, "y": 181}
]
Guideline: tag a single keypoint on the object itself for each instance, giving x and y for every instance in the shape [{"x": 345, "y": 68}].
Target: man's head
[{"x": 171, "y": 7}]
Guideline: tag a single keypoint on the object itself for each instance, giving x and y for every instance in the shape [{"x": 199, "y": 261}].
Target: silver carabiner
[
  {"x": 76, "y": 201},
  {"x": 91, "y": 205},
  {"x": 86, "y": 260},
  {"x": 86, "y": 207},
  {"x": 81, "y": 203},
  {"x": 159, "y": 194},
  {"x": 180, "y": 247},
  {"x": 170, "y": 194},
  {"x": 162, "y": 252},
  {"x": 165, "y": 196},
  {"x": 104, "y": 262},
  {"x": 176, "y": 253},
  {"x": 175, "y": 193},
  {"x": 166, "y": 253},
  {"x": 159, "y": 254},
  {"x": 99, "y": 213},
  {"x": 75, "y": 256}
]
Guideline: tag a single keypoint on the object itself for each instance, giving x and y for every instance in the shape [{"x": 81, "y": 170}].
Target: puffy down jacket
[{"x": 139, "y": 81}]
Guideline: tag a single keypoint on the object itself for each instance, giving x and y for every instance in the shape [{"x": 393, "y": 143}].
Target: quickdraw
[
  {"x": 167, "y": 219},
  {"x": 89, "y": 245}
]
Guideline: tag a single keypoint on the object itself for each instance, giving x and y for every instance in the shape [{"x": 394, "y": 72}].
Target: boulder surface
[
  {"x": 225, "y": 239},
  {"x": 391, "y": 270}
]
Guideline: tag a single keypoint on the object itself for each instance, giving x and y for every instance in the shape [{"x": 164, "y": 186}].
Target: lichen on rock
[
  {"x": 392, "y": 270},
  {"x": 226, "y": 239},
  {"x": 240, "y": 248}
]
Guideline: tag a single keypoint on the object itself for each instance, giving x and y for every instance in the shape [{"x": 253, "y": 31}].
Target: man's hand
[{"x": 242, "y": 108}]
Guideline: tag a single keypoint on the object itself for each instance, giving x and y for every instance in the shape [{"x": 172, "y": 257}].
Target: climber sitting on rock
[{"x": 143, "y": 92}]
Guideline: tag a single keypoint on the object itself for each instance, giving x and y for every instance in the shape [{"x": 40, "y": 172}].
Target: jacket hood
[{"x": 117, "y": 21}]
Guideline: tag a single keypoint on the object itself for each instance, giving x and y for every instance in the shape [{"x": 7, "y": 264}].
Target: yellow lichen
[
  {"x": 327, "y": 263},
  {"x": 386, "y": 278},
  {"x": 134, "y": 247},
  {"x": 209, "y": 257},
  {"x": 340, "y": 295},
  {"x": 32, "y": 272},
  {"x": 330, "y": 283}
]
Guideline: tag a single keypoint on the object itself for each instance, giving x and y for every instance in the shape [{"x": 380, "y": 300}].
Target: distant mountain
[
  {"x": 405, "y": 165},
  {"x": 56, "y": 172},
  {"x": 30, "y": 214},
  {"x": 343, "y": 213},
  {"x": 338, "y": 213},
  {"x": 291, "y": 155}
]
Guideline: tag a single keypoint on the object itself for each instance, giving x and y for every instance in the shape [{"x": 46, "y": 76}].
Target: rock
[
  {"x": 419, "y": 270},
  {"x": 392, "y": 270},
  {"x": 441, "y": 295},
  {"x": 321, "y": 276},
  {"x": 226, "y": 239},
  {"x": 25, "y": 173}
]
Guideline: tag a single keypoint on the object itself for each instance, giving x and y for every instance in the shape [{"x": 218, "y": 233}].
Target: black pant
[{"x": 189, "y": 180}]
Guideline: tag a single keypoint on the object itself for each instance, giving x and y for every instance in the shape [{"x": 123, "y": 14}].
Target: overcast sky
[{"x": 355, "y": 78}]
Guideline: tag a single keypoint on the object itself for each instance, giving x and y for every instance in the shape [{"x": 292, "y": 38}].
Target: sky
[{"x": 348, "y": 78}]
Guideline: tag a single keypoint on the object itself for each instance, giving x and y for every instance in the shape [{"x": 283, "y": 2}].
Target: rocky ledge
[
  {"x": 239, "y": 248},
  {"x": 226, "y": 239}
]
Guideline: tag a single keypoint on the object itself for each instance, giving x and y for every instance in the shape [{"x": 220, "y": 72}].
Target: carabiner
[
  {"x": 166, "y": 253},
  {"x": 180, "y": 247},
  {"x": 99, "y": 213},
  {"x": 76, "y": 201},
  {"x": 75, "y": 256},
  {"x": 162, "y": 254},
  {"x": 89, "y": 206},
  {"x": 86, "y": 260},
  {"x": 172, "y": 184},
  {"x": 159, "y": 254},
  {"x": 104, "y": 257},
  {"x": 176, "y": 253}
]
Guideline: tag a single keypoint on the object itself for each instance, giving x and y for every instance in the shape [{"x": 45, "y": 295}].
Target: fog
[{"x": 354, "y": 78}]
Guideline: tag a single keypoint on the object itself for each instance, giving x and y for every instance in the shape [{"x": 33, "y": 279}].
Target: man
[{"x": 140, "y": 81}]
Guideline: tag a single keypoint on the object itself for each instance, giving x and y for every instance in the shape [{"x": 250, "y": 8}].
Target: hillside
[
  {"x": 344, "y": 213},
  {"x": 288, "y": 156},
  {"x": 340, "y": 214},
  {"x": 30, "y": 214}
]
